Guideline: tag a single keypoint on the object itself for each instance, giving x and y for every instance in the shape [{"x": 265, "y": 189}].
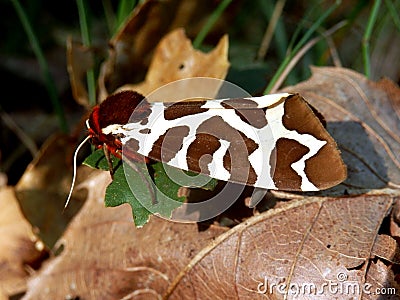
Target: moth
[{"x": 275, "y": 141}]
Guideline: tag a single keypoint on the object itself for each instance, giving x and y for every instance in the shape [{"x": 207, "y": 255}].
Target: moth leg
[
  {"x": 257, "y": 195},
  {"x": 109, "y": 161}
]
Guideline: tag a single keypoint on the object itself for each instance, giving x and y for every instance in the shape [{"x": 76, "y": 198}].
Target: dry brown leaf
[
  {"x": 132, "y": 47},
  {"x": 175, "y": 58},
  {"x": 395, "y": 219},
  {"x": 363, "y": 117},
  {"x": 312, "y": 240},
  {"x": 79, "y": 60},
  {"x": 44, "y": 186},
  {"x": 381, "y": 283},
  {"x": 19, "y": 246},
  {"x": 387, "y": 248},
  {"x": 106, "y": 257}
]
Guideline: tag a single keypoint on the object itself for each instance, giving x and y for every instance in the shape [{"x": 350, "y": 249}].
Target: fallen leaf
[
  {"x": 312, "y": 240},
  {"x": 395, "y": 220},
  {"x": 20, "y": 248},
  {"x": 387, "y": 248},
  {"x": 3, "y": 179},
  {"x": 175, "y": 58},
  {"x": 131, "y": 49},
  {"x": 106, "y": 257},
  {"x": 381, "y": 283},
  {"x": 43, "y": 189},
  {"x": 363, "y": 118}
]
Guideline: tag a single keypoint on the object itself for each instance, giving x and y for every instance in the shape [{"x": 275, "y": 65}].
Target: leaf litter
[
  {"x": 307, "y": 240},
  {"x": 21, "y": 249},
  {"x": 310, "y": 239}
]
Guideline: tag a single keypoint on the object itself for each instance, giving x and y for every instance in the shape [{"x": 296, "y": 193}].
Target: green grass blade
[
  {"x": 367, "y": 36},
  {"x": 393, "y": 10},
  {"x": 37, "y": 50},
  {"x": 110, "y": 16},
  {"x": 91, "y": 82},
  {"x": 124, "y": 9},
  {"x": 315, "y": 26},
  {"x": 210, "y": 23}
]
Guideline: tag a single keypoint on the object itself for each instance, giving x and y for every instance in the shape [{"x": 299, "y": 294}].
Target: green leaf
[
  {"x": 133, "y": 184},
  {"x": 119, "y": 192},
  {"x": 97, "y": 160},
  {"x": 184, "y": 178}
]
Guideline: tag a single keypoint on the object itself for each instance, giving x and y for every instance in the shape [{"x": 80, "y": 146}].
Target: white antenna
[{"x": 75, "y": 167}]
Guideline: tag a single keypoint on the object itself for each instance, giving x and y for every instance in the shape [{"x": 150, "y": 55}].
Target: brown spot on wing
[
  {"x": 145, "y": 131},
  {"x": 326, "y": 168},
  {"x": 200, "y": 152},
  {"x": 130, "y": 151},
  {"x": 247, "y": 110},
  {"x": 239, "y": 103},
  {"x": 234, "y": 150},
  {"x": 181, "y": 109},
  {"x": 287, "y": 151},
  {"x": 167, "y": 145},
  {"x": 300, "y": 117},
  {"x": 236, "y": 159}
]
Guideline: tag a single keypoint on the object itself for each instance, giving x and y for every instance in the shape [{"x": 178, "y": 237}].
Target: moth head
[
  {"x": 114, "y": 112},
  {"x": 118, "y": 108}
]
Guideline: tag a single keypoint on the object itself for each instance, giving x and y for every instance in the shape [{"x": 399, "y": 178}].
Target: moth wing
[{"x": 274, "y": 142}]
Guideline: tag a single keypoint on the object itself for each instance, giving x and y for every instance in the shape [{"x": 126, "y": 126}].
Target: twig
[
  {"x": 334, "y": 53},
  {"x": 300, "y": 54},
  {"x": 314, "y": 27},
  {"x": 23, "y": 137},
  {"x": 270, "y": 29}
]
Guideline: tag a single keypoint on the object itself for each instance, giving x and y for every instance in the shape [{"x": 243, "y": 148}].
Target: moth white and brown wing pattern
[{"x": 273, "y": 142}]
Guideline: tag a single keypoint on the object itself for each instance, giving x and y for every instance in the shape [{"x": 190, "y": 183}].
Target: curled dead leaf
[
  {"x": 175, "y": 58},
  {"x": 131, "y": 46},
  {"x": 381, "y": 282},
  {"x": 387, "y": 248},
  {"x": 131, "y": 49},
  {"x": 363, "y": 117},
  {"x": 44, "y": 186},
  {"x": 20, "y": 248}
]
